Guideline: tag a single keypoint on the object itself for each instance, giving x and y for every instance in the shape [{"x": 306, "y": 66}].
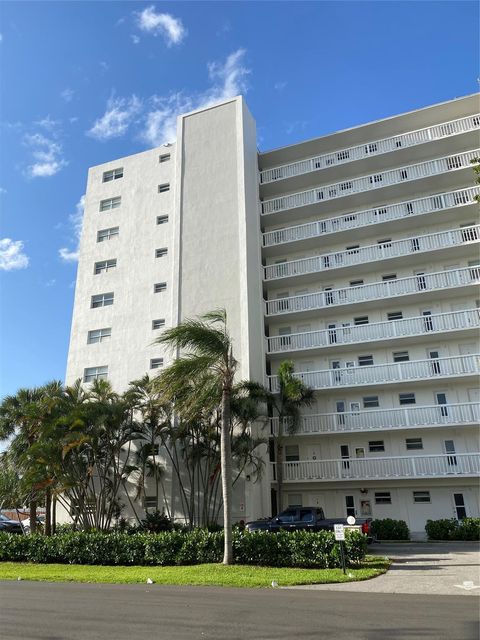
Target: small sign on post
[{"x": 339, "y": 530}]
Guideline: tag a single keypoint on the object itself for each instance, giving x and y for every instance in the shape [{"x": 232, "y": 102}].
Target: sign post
[{"x": 339, "y": 531}]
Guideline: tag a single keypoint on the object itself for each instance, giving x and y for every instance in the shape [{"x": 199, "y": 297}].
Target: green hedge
[
  {"x": 451, "y": 529},
  {"x": 284, "y": 549},
  {"x": 388, "y": 529}
]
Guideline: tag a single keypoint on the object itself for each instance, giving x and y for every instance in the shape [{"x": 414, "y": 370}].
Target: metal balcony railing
[
  {"x": 420, "y": 283},
  {"x": 374, "y": 253},
  {"x": 425, "y": 466},
  {"x": 420, "y": 136},
  {"x": 378, "y": 180},
  {"x": 357, "y": 219},
  {"x": 364, "y": 333},
  {"x": 385, "y": 419},
  {"x": 354, "y": 376}
]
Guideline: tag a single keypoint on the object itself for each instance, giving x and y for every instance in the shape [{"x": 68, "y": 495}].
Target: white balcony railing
[
  {"x": 373, "y": 148},
  {"x": 379, "y": 180},
  {"x": 429, "y": 466},
  {"x": 388, "y": 330},
  {"x": 373, "y": 253},
  {"x": 357, "y": 219},
  {"x": 354, "y": 376},
  {"x": 440, "y": 280},
  {"x": 385, "y": 419}
]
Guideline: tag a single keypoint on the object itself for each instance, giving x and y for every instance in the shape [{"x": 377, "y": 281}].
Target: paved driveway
[{"x": 426, "y": 568}]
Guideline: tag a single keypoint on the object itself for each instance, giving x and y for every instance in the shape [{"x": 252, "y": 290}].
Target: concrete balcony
[
  {"x": 376, "y": 147},
  {"x": 410, "y": 287},
  {"x": 364, "y": 420},
  {"x": 424, "y": 326},
  {"x": 357, "y": 220},
  {"x": 429, "y": 466},
  {"x": 362, "y": 184},
  {"x": 388, "y": 373},
  {"x": 412, "y": 246}
]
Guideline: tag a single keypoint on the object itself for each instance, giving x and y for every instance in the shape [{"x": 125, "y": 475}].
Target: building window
[
  {"x": 350, "y": 218},
  {"x": 365, "y": 361},
  {"x": 294, "y": 500},
  {"x": 162, "y": 188},
  {"x": 383, "y": 497},
  {"x": 162, "y": 219},
  {"x": 158, "y": 324},
  {"x": 421, "y": 496},
  {"x": 460, "y": 197},
  {"x": 346, "y": 186},
  {"x": 376, "y": 178},
  {"x": 353, "y": 248},
  {"x": 356, "y": 283},
  {"x": 159, "y": 253},
  {"x": 370, "y": 402},
  {"x": 389, "y": 276},
  {"x": 114, "y": 174},
  {"x": 459, "y": 506},
  {"x": 156, "y": 363},
  {"x": 380, "y": 212},
  {"x": 99, "y": 335},
  {"x": 107, "y": 234},
  {"x": 150, "y": 502},
  {"x": 110, "y": 203},
  {"x": 152, "y": 449},
  {"x": 105, "y": 265},
  {"x": 158, "y": 287},
  {"x": 406, "y": 398},
  {"x": 102, "y": 300},
  {"x": 360, "y": 320},
  {"x": 95, "y": 373},
  {"x": 371, "y": 148},
  {"x": 376, "y": 446},
  {"x": 413, "y": 444},
  {"x": 401, "y": 356},
  {"x": 455, "y": 162},
  {"x": 383, "y": 244},
  {"x": 292, "y": 453},
  {"x": 343, "y": 155},
  {"x": 165, "y": 157},
  {"x": 394, "y": 315}
]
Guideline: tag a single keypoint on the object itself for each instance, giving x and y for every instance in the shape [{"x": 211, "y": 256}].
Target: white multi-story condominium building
[{"x": 354, "y": 255}]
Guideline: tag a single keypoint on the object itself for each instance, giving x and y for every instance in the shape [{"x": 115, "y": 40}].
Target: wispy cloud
[
  {"x": 67, "y": 94},
  {"x": 47, "y": 154},
  {"x": 76, "y": 220},
  {"x": 116, "y": 119},
  {"x": 135, "y": 39},
  {"x": 296, "y": 125},
  {"x": 279, "y": 86},
  {"x": 12, "y": 255},
  {"x": 228, "y": 80},
  {"x": 50, "y": 283},
  {"x": 2, "y": 190},
  {"x": 163, "y": 24}
]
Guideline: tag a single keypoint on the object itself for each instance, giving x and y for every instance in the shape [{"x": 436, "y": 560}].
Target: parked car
[
  {"x": 10, "y": 526},
  {"x": 40, "y": 524}
]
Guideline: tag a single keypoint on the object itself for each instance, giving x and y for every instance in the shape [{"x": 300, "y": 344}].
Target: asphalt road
[{"x": 54, "y": 611}]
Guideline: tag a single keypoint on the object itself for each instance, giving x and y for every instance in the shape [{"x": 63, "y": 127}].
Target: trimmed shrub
[
  {"x": 388, "y": 529},
  {"x": 283, "y": 549},
  {"x": 452, "y": 529}
]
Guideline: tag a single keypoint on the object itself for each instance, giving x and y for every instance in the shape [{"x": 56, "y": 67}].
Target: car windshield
[{"x": 287, "y": 516}]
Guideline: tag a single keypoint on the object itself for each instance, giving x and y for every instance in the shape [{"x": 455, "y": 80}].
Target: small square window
[
  {"x": 365, "y": 361},
  {"x": 99, "y": 335},
  {"x": 421, "y": 496},
  {"x": 104, "y": 266},
  {"x": 107, "y": 234},
  {"x": 370, "y": 402},
  {"x": 401, "y": 356},
  {"x": 159, "y": 287},
  {"x": 292, "y": 453},
  {"x": 162, "y": 188},
  {"x": 413, "y": 444},
  {"x": 376, "y": 446},
  {"x": 383, "y": 497},
  {"x": 394, "y": 315},
  {"x": 159, "y": 253},
  {"x": 165, "y": 157},
  {"x": 101, "y": 300},
  {"x": 114, "y": 174},
  {"x": 110, "y": 203},
  {"x": 360, "y": 320},
  {"x": 95, "y": 373},
  {"x": 162, "y": 219},
  {"x": 158, "y": 324},
  {"x": 406, "y": 398},
  {"x": 156, "y": 363}
]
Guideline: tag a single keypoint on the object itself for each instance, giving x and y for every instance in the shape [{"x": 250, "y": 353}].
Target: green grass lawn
[{"x": 204, "y": 574}]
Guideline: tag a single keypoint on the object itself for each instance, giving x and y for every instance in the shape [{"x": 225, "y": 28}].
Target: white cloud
[
  {"x": 2, "y": 190},
  {"x": 1, "y": 37},
  {"x": 46, "y": 152},
  {"x": 135, "y": 39},
  {"x": 279, "y": 86},
  {"x": 50, "y": 283},
  {"x": 76, "y": 221},
  {"x": 67, "y": 94},
  {"x": 116, "y": 119},
  {"x": 11, "y": 255},
  {"x": 229, "y": 80},
  {"x": 163, "y": 24},
  {"x": 48, "y": 124}
]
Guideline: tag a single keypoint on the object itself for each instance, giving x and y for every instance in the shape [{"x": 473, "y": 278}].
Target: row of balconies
[
  {"x": 374, "y": 253},
  {"x": 387, "y": 373},
  {"x": 466, "y": 413},
  {"x": 382, "y": 179},
  {"x": 418, "y": 284},
  {"x": 418, "y": 466},
  {"x": 360, "y": 219},
  {"x": 430, "y": 324},
  {"x": 394, "y": 143}
]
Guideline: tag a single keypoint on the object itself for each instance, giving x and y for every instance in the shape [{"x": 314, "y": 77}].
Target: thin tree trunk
[
  {"x": 48, "y": 511},
  {"x": 33, "y": 516},
  {"x": 226, "y": 465},
  {"x": 54, "y": 516},
  {"x": 279, "y": 461}
]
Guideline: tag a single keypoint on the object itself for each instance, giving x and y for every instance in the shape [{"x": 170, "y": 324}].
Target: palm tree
[{"x": 208, "y": 354}]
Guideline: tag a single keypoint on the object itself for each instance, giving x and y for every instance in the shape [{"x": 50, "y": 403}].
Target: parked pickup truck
[{"x": 305, "y": 519}]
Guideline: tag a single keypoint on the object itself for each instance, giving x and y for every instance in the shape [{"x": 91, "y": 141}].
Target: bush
[
  {"x": 284, "y": 549},
  {"x": 156, "y": 522},
  {"x": 388, "y": 529},
  {"x": 451, "y": 529}
]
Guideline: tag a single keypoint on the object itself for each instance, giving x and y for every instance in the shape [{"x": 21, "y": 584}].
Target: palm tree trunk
[
  {"x": 226, "y": 464},
  {"x": 33, "y": 516},
  {"x": 279, "y": 461},
  {"x": 54, "y": 516},
  {"x": 48, "y": 511}
]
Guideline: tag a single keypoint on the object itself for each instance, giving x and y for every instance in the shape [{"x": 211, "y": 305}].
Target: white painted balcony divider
[
  {"x": 378, "y": 180},
  {"x": 430, "y": 466},
  {"x": 389, "y": 329},
  {"x": 377, "y": 290},
  {"x": 374, "y": 253},
  {"x": 454, "y": 127},
  {"x": 379, "y": 419},
  {"x": 357, "y": 219},
  {"x": 386, "y": 373}
]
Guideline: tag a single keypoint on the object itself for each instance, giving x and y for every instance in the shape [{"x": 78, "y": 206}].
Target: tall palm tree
[{"x": 207, "y": 351}]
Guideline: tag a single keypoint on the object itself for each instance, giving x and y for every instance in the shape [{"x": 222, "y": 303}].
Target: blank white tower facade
[{"x": 354, "y": 255}]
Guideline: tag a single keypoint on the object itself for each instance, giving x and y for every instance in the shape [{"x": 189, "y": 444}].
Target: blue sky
[{"x": 85, "y": 82}]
